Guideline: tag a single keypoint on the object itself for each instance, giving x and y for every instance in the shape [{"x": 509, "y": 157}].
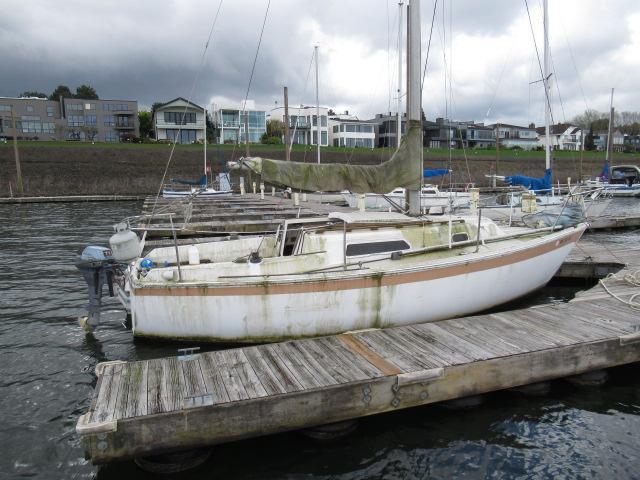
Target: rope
[{"x": 632, "y": 279}]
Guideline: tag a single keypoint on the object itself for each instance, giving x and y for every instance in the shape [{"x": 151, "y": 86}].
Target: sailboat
[
  {"x": 592, "y": 202},
  {"x": 619, "y": 180},
  {"x": 345, "y": 271},
  {"x": 201, "y": 187}
]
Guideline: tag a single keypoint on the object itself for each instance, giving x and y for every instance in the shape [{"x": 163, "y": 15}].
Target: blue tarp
[
  {"x": 531, "y": 183},
  {"x": 434, "y": 172},
  {"x": 604, "y": 174},
  {"x": 202, "y": 181}
]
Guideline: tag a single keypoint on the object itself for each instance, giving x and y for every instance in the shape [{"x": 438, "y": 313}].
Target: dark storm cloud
[{"x": 151, "y": 51}]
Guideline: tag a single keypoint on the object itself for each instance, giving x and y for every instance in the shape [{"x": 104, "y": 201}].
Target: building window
[
  {"x": 49, "y": 111},
  {"x": 48, "y": 127},
  {"x": 323, "y": 120},
  {"x": 179, "y": 118},
  {"x": 89, "y": 106},
  {"x": 336, "y": 128},
  {"x": 5, "y": 108},
  {"x": 76, "y": 120},
  {"x": 323, "y": 138},
  {"x": 109, "y": 121},
  {"x": 90, "y": 120},
  {"x": 111, "y": 137},
  {"x": 75, "y": 107},
  {"x": 30, "y": 108}
]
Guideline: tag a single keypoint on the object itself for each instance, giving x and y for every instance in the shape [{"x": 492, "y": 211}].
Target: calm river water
[{"x": 46, "y": 380}]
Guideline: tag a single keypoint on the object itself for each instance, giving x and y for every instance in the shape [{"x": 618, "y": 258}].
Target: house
[
  {"x": 511, "y": 136},
  {"x": 385, "y": 129},
  {"x": 600, "y": 141},
  {"x": 73, "y": 119},
  {"x": 303, "y": 124},
  {"x": 232, "y": 124},
  {"x": 347, "y": 131},
  {"x": 564, "y": 136},
  {"x": 179, "y": 121}
]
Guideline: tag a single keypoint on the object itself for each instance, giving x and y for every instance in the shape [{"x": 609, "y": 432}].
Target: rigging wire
[
  {"x": 535, "y": 44},
  {"x": 426, "y": 60},
  {"x": 193, "y": 87},
  {"x": 253, "y": 67}
]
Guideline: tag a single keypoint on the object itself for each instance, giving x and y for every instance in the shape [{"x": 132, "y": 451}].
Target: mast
[
  {"x": 205, "y": 143},
  {"x": 287, "y": 142},
  {"x": 607, "y": 157},
  {"x": 414, "y": 92},
  {"x": 399, "y": 99},
  {"x": 317, "y": 108},
  {"x": 547, "y": 90}
]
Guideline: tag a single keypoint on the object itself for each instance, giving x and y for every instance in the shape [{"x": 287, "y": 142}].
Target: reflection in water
[{"x": 46, "y": 381}]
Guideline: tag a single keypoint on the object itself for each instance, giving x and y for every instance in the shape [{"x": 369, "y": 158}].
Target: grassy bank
[{"x": 67, "y": 168}]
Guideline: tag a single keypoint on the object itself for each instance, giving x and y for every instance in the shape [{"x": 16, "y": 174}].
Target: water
[{"x": 46, "y": 381}]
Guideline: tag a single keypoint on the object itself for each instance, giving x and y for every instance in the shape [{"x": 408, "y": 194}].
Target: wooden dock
[
  {"x": 237, "y": 214},
  {"x": 147, "y": 407}
]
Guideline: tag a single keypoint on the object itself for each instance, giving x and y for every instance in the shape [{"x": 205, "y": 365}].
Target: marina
[{"x": 147, "y": 407}]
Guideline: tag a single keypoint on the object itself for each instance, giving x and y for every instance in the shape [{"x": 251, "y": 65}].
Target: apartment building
[
  {"x": 232, "y": 123},
  {"x": 179, "y": 121},
  {"x": 73, "y": 119},
  {"x": 347, "y": 131},
  {"x": 303, "y": 124}
]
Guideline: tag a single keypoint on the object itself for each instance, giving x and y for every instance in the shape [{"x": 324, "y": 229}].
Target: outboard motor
[{"x": 96, "y": 265}]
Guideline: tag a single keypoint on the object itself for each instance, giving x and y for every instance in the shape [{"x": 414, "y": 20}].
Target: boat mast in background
[
  {"x": 414, "y": 93},
  {"x": 547, "y": 89},
  {"x": 287, "y": 141},
  {"x": 399, "y": 99},
  {"x": 205, "y": 146},
  {"x": 318, "y": 123},
  {"x": 607, "y": 157}
]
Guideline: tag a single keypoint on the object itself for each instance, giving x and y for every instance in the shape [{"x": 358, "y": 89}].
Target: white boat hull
[
  {"x": 289, "y": 308},
  {"x": 209, "y": 192}
]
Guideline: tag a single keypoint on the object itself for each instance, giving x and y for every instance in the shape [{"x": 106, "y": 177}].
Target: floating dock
[
  {"x": 235, "y": 214},
  {"x": 148, "y": 407}
]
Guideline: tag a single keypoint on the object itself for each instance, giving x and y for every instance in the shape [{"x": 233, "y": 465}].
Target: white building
[
  {"x": 563, "y": 137},
  {"x": 303, "y": 124},
  {"x": 179, "y": 121},
  {"x": 232, "y": 128},
  {"x": 351, "y": 132},
  {"x": 511, "y": 136}
]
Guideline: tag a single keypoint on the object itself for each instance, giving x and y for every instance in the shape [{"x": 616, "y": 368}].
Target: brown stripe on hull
[{"x": 370, "y": 281}]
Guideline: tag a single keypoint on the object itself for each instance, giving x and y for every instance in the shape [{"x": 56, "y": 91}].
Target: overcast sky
[{"x": 151, "y": 51}]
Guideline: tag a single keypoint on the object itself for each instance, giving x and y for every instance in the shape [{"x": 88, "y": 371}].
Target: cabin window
[
  {"x": 459, "y": 237},
  {"x": 370, "y": 248},
  {"x": 429, "y": 192}
]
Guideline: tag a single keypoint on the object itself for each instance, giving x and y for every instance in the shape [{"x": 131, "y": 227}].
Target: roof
[
  {"x": 181, "y": 99},
  {"x": 369, "y": 217},
  {"x": 508, "y": 125}
]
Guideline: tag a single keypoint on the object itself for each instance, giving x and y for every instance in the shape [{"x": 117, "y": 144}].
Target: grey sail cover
[{"x": 403, "y": 169}]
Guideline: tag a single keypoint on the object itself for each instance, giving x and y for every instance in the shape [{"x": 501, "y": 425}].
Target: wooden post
[
  {"x": 287, "y": 134},
  {"x": 17, "y": 155}
]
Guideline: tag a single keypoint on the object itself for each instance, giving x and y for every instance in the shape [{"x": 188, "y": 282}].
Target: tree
[
  {"x": 33, "y": 93},
  {"x": 275, "y": 128},
  {"x": 61, "y": 91},
  {"x": 588, "y": 140},
  {"x": 146, "y": 125},
  {"x": 330, "y": 112},
  {"x": 86, "y": 92},
  {"x": 90, "y": 132}
]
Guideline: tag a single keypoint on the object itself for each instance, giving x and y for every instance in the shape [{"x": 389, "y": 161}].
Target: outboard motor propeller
[{"x": 96, "y": 265}]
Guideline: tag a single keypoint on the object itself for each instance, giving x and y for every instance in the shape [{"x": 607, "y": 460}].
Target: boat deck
[{"x": 194, "y": 399}]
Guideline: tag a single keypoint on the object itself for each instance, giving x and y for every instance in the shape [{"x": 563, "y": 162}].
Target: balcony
[
  {"x": 125, "y": 125},
  {"x": 195, "y": 125}
]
